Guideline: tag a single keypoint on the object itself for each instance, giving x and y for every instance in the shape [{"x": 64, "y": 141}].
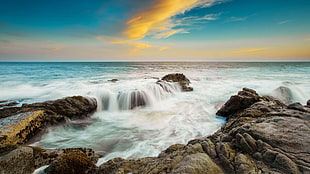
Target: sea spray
[{"x": 167, "y": 116}]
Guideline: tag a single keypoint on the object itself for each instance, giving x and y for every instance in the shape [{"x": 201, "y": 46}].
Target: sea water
[{"x": 169, "y": 117}]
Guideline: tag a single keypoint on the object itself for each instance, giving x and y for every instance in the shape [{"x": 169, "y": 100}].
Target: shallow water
[{"x": 169, "y": 117}]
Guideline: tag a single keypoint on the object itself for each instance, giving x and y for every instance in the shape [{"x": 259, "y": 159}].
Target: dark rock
[
  {"x": 9, "y": 104},
  {"x": 72, "y": 163},
  {"x": 135, "y": 98},
  {"x": 237, "y": 103},
  {"x": 76, "y": 106},
  {"x": 296, "y": 106},
  {"x": 179, "y": 78},
  {"x": 113, "y": 80},
  {"x": 308, "y": 103}
]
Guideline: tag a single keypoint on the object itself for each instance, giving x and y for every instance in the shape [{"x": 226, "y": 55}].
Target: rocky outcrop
[
  {"x": 76, "y": 106},
  {"x": 25, "y": 159},
  {"x": 179, "y": 78},
  {"x": 19, "y": 124},
  {"x": 262, "y": 135}
]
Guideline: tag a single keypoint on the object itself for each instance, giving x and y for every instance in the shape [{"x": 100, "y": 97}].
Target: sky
[{"x": 154, "y": 30}]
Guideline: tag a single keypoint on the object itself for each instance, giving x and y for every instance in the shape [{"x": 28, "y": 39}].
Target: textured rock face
[
  {"x": 262, "y": 135},
  {"x": 236, "y": 103},
  {"x": 25, "y": 159},
  {"x": 76, "y": 106},
  {"x": 179, "y": 78},
  {"x": 19, "y": 124},
  {"x": 19, "y": 160},
  {"x": 72, "y": 163}
]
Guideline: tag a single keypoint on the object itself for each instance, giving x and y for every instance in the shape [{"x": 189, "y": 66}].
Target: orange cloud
[
  {"x": 156, "y": 17},
  {"x": 250, "y": 50}
]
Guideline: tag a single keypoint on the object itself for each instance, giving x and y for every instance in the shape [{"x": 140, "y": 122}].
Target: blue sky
[{"x": 105, "y": 30}]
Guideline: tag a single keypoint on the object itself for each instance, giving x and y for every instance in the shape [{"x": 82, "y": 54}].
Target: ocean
[{"x": 116, "y": 130}]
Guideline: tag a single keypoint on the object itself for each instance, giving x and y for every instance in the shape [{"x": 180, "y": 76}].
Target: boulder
[
  {"x": 25, "y": 159},
  {"x": 237, "y": 103},
  {"x": 72, "y": 163},
  {"x": 179, "y": 78}
]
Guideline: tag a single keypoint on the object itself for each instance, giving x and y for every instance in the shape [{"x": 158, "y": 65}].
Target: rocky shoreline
[{"x": 262, "y": 135}]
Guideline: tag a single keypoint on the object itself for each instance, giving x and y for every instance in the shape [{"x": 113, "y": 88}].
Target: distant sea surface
[{"x": 168, "y": 118}]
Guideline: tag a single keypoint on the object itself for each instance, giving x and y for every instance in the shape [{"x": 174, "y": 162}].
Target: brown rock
[
  {"x": 179, "y": 78},
  {"x": 17, "y": 161},
  {"x": 196, "y": 164},
  {"x": 72, "y": 163},
  {"x": 19, "y": 124},
  {"x": 76, "y": 106},
  {"x": 237, "y": 103}
]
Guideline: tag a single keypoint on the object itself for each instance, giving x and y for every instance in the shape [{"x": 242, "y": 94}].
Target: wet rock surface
[
  {"x": 179, "y": 78},
  {"x": 262, "y": 135},
  {"x": 19, "y": 124}
]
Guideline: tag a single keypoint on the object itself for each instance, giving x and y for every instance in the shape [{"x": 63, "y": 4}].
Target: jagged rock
[
  {"x": 296, "y": 106},
  {"x": 76, "y": 106},
  {"x": 262, "y": 135},
  {"x": 72, "y": 163},
  {"x": 113, "y": 80},
  {"x": 19, "y": 124},
  {"x": 236, "y": 103},
  {"x": 25, "y": 159},
  {"x": 179, "y": 78}
]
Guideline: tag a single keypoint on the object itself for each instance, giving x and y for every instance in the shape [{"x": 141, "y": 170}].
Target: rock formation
[
  {"x": 19, "y": 124},
  {"x": 262, "y": 135},
  {"x": 25, "y": 159},
  {"x": 179, "y": 78}
]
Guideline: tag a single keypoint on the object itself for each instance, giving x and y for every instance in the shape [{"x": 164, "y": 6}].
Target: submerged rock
[
  {"x": 179, "y": 78},
  {"x": 284, "y": 94},
  {"x": 132, "y": 99}
]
